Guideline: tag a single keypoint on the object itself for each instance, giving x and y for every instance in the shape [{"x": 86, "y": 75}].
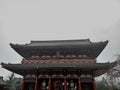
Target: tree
[
  {"x": 10, "y": 81},
  {"x": 113, "y": 75},
  {"x": 111, "y": 79},
  {"x": 13, "y": 82},
  {"x": 102, "y": 85}
]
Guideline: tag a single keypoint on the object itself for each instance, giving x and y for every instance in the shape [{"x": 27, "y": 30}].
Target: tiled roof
[
  {"x": 58, "y": 43},
  {"x": 99, "y": 68},
  {"x": 56, "y": 65},
  {"x": 92, "y": 49}
]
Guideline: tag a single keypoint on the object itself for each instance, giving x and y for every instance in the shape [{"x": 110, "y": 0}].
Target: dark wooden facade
[{"x": 59, "y": 65}]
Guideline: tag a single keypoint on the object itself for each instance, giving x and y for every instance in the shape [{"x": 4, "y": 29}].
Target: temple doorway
[
  {"x": 57, "y": 84},
  {"x": 72, "y": 84},
  {"x": 87, "y": 86},
  {"x": 29, "y": 86},
  {"x": 43, "y": 84}
]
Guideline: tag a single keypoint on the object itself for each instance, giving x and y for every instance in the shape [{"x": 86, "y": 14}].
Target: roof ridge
[{"x": 34, "y": 41}]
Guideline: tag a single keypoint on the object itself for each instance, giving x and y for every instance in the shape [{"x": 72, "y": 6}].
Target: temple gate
[{"x": 59, "y": 65}]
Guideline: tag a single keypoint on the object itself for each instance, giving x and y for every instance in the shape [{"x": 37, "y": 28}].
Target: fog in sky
[{"x": 24, "y": 20}]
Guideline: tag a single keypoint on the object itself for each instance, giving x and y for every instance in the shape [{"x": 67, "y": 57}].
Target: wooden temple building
[{"x": 59, "y": 64}]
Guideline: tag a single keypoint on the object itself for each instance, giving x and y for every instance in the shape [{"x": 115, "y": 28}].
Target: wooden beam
[
  {"x": 79, "y": 84},
  {"x": 36, "y": 84},
  {"x": 49, "y": 84},
  {"x": 65, "y": 83},
  {"x": 94, "y": 84},
  {"x": 22, "y": 85}
]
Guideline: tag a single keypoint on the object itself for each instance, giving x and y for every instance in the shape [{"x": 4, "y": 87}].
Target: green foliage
[
  {"x": 10, "y": 81},
  {"x": 13, "y": 82},
  {"x": 102, "y": 85},
  {"x": 105, "y": 85}
]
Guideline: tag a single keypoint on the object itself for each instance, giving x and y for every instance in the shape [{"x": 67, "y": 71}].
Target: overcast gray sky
[{"x": 24, "y": 20}]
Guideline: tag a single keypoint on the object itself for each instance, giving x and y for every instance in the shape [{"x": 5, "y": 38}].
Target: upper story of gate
[{"x": 60, "y": 50}]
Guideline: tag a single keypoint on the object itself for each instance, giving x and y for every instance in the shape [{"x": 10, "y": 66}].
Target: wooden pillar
[
  {"x": 36, "y": 84},
  {"x": 65, "y": 83},
  {"x": 49, "y": 84},
  {"x": 79, "y": 84},
  {"x": 22, "y": 85},
  {"x": 94, "y": 84}
]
